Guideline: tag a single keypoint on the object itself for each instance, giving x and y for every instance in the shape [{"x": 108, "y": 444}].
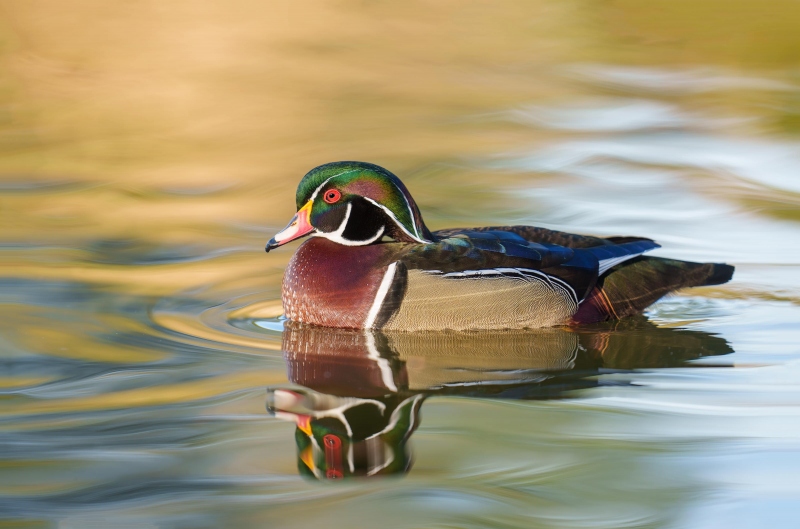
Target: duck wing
[
  {"x": 480, "y": 250},
  {"x": 489, "y": 280},
  {"x": 545, "y": 236},
  {"x": 588, "y": 264},
  {"x": 485, "y": 252}
]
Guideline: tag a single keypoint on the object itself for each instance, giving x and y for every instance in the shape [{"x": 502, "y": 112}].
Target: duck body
[{"x": 508, "y": 277}]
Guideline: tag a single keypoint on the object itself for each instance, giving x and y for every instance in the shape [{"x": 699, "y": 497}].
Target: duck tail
[
  {"x": 721, "y": 273},
  {"x": 634, "y": 285}
]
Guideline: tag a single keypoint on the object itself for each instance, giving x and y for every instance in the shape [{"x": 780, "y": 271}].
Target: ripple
[
  {"x": 618, "y": 115},
  {"x": 673, "y": 81}
]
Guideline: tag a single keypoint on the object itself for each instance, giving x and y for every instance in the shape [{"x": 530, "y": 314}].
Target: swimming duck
[{"x": 371, "y": 263}]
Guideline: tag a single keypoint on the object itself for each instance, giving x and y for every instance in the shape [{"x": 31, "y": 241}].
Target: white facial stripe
[
  {"x": 397, "y": 222},
  {"x": 396, "y": 415},
  {"x": 335, "y": 237},
  {"x": 317, "y": 190},
  {"x": 350, "y": 457},
  {"x": 338, "y": 235},
  {"x": 343, "y": 225},
  {"x": 411, "y": 215},
  {"x": 417, "y": 400},
  {"x": 338, "y": 413}
]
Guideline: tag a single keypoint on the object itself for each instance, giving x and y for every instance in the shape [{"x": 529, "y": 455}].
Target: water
[{"x": 150, "y": 150}]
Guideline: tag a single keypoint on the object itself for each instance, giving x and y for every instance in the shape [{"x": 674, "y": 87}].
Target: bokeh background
[{"x": 149, "y": 149}]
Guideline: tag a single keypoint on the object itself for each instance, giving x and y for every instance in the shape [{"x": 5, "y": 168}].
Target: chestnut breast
[{"x": 331, "y": 284}]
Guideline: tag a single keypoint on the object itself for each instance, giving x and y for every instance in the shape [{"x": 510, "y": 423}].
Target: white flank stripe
[
  {"x": 386, "y": 283},
  {"x": 551, "y": 281},
  {"x": 397, "y": 222}
]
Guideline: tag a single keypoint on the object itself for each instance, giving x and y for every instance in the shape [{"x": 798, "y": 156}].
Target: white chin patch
[{"x": 337, "y": 238}]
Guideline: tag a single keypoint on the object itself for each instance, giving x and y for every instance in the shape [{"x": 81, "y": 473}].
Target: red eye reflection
[{"x": 332, "y": 196}]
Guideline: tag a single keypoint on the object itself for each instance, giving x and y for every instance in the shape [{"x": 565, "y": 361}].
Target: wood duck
[{"x": 371, "y": 263}]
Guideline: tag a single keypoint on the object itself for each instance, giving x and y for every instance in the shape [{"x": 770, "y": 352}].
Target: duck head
[{"x": 354, "y": 204}]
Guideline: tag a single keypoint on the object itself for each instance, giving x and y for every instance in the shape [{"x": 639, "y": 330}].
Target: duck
[{"x": 370, "y": 262}]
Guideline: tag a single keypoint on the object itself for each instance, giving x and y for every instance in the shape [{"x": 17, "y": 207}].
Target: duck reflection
[{"x": 359, "y": 393}]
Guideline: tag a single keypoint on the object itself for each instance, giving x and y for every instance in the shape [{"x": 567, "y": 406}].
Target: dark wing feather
[
  {"x": 582, "y": 271},
  {"x": 473, "y": 250},
  {"x": 533, "y": 234},
  {"x": 482, "y": 249},
  {"x": 614, "y": 254},
  {"x": 545, "y": 236}
]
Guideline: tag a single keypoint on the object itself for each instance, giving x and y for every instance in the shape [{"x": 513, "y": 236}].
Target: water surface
[{"x": 149, "y": 150}]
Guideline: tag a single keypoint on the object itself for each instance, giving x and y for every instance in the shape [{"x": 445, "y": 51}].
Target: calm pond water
[{"x": 150, "y": 149}]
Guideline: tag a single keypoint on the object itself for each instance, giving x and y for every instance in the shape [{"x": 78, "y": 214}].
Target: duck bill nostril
[{"x": 299, "y": 226}]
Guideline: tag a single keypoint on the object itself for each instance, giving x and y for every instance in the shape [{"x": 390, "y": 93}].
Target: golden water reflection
[
  {"x": 149, "y": 149},
  {"x": 359, "y": 394}
]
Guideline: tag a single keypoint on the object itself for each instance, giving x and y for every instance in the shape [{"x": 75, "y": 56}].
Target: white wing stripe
[{"x": 605, "y": 264}]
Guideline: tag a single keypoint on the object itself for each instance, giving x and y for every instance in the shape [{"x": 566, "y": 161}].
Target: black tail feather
[
  {"x": 634, "y": 285},
  {"x": 721, "y": 274}
]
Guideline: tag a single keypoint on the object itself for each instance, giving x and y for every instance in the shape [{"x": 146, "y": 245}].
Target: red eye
[{"x": 332, "y": 196}]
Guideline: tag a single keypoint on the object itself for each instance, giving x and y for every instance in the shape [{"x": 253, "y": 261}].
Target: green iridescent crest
[{"x": 369, "y": 181}]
